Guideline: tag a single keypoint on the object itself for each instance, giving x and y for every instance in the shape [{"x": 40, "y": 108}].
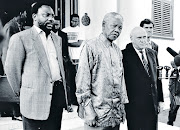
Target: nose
[
  {"x": 51, "y": 19},
  {"x": 117, "y": 29}
]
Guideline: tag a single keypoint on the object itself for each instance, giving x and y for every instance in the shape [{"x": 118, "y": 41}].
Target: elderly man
[
  {"x": 101, "y": 90},
  {"x": 143, "y": 91}
]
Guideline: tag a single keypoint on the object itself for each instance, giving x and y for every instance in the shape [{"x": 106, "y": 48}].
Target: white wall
[
  {"x": 133, "y": 12},
  {"x": 96, "y": 10}
]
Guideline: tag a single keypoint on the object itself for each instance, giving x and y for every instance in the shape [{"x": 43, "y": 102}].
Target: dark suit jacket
[
  {"x": 154, "y": 46},
  {"x": 65, "y": 51},
  {"x": 68, "y": 67},
  {"x": 144, "y": 92}
]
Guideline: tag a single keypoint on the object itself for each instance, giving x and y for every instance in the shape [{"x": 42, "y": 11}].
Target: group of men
[{"x": 110, "y": 85}]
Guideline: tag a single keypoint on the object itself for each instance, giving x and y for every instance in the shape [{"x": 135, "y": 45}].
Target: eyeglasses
[{"x": 47, "y": 15}]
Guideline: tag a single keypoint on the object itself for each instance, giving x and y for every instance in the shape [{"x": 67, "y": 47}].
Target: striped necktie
[{"x": 145, "y": 63}]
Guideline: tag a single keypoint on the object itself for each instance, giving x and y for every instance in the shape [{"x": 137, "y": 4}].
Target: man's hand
[
  {"x": 160, "y": 107},
  {"x": 90, "y": 121},
  {"x": 90, "y": 115}
]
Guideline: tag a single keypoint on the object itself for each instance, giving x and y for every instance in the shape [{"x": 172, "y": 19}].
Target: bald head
[
  {"x": 111, "y": 15},
  {"x": 112, "y": 25},
  {"x": 139, "y": 38}
]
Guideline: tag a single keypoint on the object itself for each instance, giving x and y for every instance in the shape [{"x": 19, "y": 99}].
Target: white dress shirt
[
  {"x": 50, "y": 53},
  {"x": 140, "y": 55}
]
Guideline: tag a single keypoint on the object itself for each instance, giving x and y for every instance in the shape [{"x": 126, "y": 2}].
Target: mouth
[
  {"x": 115, "y": 35},
  {"x": 49, "y": 25}
]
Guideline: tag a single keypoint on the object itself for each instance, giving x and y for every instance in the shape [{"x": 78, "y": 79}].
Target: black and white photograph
[{"x": 89, "y": 65}]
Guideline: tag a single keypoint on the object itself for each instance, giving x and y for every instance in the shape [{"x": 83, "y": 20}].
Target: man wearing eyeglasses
[
  {"x": 148, "y": 25},
  {"x": 34, "y": 68}
]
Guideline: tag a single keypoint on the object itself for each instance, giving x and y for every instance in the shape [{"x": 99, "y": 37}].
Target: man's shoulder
[
  {"x": 128, "y": 48},
  {"x": 92, "y": 42},
  {"x": 153, "y": 43},
  {"x": 151, "y": 51},
  {"x": 61, "y": 33},
  {"x": 25, "y": 33}
]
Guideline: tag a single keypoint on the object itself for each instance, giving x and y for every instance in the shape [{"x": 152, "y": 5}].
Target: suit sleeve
[
  {"x": 14, "y": 62},
  {"x": 159, "y": 85}
]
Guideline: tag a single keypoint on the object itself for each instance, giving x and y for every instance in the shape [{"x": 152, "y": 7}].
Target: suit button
[
  {"x": 17, "y": 94},
  {"x": 150, "y": 94}
]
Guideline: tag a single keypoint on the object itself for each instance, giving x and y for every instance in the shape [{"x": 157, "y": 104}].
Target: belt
[
  {"x": 57, "y": 83},
  {"x": 75, "y": 61}
]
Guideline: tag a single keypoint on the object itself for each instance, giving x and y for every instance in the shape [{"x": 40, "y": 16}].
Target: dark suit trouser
[
  {"x": 142, "y": 118},
  {"x": 142, "y": 123},
  {"x": 73, "y": 84},
  {"x": 173, "y": 110},
  {"x": 54, "y": 120}
]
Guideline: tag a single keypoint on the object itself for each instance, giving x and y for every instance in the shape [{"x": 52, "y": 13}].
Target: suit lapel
[
  {"x": 41, "y": 51},
  {"x": 152, "y": 62},
  {"x": 138, "y": 61},
  {"x": 58, "y": 47},
  {"x": 136, "y": 58},
  {"x": 152, "y": 44}
]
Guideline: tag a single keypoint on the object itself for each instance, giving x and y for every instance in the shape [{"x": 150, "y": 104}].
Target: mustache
[{"x": 117, "y": 34}]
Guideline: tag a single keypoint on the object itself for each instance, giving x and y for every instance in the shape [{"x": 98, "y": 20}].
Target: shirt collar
[
  {"x": 138, "y": 51},
  {"x": 106, "y": 42},
  {"x": 40, "y": 30}
]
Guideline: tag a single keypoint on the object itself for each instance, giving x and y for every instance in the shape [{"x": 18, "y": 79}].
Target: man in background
[
  {"x": 75, "y": 39},
  {"x": 66, "y": 58},
  {"x": 12, "y": 27},
  {"x": 148, "y": 25},
  {"x": 144, "y": 93}
]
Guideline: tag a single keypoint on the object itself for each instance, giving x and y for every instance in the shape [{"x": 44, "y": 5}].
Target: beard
[{"x": 45, "y": 27}]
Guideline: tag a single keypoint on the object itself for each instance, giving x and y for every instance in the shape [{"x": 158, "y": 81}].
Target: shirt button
[{"x": 50, "y": 94}]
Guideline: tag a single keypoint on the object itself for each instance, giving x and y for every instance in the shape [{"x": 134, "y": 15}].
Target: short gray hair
[
  {"x": 111, "y": 15},
  {"x": 135, "y": 30}
]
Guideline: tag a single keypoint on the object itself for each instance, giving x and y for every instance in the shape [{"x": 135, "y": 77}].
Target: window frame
[{"x": 163, "y": 16}]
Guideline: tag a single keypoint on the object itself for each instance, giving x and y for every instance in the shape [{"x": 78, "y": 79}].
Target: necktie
[{"x": 145, "y": 63}]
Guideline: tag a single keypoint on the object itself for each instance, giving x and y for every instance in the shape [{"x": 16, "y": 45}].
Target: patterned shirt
[{"x": 100, "y": 81}]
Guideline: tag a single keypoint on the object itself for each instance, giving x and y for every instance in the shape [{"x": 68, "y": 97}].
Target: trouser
[
  {"x": 141, "y": 120},
  {"x": 73, "y": 84},
  {"x": 52, "y": 123},
  {"x": 54, "y": 120},
  {"x": 86, "y": 127},
  {"x": 173, "y": 110}
]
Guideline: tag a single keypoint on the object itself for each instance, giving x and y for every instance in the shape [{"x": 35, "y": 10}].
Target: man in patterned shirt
[{"x": 101, "y": 90}]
